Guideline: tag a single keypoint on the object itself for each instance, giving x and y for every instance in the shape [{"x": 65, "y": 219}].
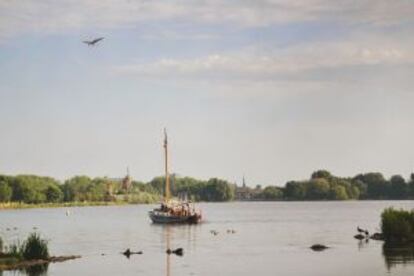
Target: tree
[
  {"x": 318, "y": 189},
  {"x": 218, "y": 190},
  {"x": 295, "y": 190},
  {"x": 272, "y": 193},
  {"x": 377, "y": 186},
  {"x": 5, "y": 191},
  {"x": 398, "y": 189},
  {"x": 339, "y": 193},
  {"x": 321, "y": 174},
  {"x": 54, "y": 194}
]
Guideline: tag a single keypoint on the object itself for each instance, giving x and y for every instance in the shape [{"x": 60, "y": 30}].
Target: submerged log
[
  {"x": 20, "y": 264},
  {"x": 377, "y": 237},
  {"x": 318, "y": 247}
]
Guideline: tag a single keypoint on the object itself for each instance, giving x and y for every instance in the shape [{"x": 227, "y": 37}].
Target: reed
[{"x": 397, "y": 225}]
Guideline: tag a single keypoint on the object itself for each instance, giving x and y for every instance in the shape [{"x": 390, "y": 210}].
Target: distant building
[{"x": 243, "y": 192}]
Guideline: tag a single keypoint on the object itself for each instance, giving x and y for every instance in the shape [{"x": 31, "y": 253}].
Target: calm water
[{"x": 270, "y": 239}]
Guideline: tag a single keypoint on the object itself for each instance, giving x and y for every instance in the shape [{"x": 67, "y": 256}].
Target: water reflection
[
  {"x": 395, "y": 254},
  {"x": 363, "y": 243},
  {"x": 36, "y": 270},
  {"x": 167, "y": 230}
]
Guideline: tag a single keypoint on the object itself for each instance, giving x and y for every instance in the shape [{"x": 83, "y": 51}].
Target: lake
[{"x": 271, "y": 238}]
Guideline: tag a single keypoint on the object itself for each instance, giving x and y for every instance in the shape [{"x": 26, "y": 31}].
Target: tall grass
[
  {"x": 35, "y": 248},
  {"x": 397, "y": 225}
]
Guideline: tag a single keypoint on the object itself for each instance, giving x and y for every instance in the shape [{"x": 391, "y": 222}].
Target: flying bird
[{"x": 93, "y": 42}]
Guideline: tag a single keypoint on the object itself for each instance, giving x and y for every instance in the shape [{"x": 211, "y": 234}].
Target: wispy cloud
[{"x": 269, "y": 64}]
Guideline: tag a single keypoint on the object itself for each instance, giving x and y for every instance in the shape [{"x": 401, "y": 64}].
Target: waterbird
[
  {"x": 179, "y": 251},
  {"x": 93, "y": 42},
  {"x": 360, "y": 230},
  {"x": 128, "y": 253},
  {"x": 359, "y": 237}
]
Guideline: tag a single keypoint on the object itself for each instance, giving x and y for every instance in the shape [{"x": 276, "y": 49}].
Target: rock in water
[
  {"x": 318, "y": 247},
  {"x": 377, "y": 237}
]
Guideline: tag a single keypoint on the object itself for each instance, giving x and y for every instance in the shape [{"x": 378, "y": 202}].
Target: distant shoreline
[{"x": 20, "y": 205}]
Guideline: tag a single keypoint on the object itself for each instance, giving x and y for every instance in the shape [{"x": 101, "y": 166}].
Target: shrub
[
  {"x": 34, "y": 248},
  {"x": 397, "y": 225},
  {"x": 1, "y": 245}
]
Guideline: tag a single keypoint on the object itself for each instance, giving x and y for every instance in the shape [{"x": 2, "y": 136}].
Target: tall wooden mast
[{"x": 167, "y": 176}]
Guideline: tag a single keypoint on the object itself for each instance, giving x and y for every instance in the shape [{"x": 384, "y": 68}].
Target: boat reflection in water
[
  {"x": 173, "y": 211},
  {"x": 397, "y": 254},
  {"x": 168, "y": 246}
]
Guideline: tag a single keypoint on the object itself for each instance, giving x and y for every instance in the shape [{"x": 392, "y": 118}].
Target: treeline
[
  {"x": 34, "y": 189},
  {"x": 324, "y": 186}
]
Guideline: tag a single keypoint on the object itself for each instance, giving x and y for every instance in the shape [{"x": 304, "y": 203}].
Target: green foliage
[
  {"x": 296, "y": 190},
  {"x": 1, "y": 245},
  {"x": 338, "y": 193},
  {"x": 35, "y": 248},
  {"x": 5, "y": 191},
  {"x": 398, "y": 187},
  {"x": 318, "y": 189},
  {"x": 271, "y": 193},
  {"x": 54, "y": 194},
  {"x": 377, "y": 186},
  {"x": 397, "y": 225},
  {"x": 321, "y": 174},
  {"x": 30, "y": 188},
  {"x": 217, "y": 190}
]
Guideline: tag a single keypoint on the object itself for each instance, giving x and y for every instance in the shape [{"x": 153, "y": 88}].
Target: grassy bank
[{"x": 22, "y": 205}]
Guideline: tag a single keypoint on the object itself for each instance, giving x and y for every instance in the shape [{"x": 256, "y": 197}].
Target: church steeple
[
  {"x": 127, "y": 182},
  {"x": 244, "y": 182}
]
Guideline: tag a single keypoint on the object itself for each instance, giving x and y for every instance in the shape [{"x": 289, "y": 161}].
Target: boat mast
[{"x": 167, "y": 177}]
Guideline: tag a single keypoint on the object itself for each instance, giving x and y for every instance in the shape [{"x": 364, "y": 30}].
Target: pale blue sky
[{"x": 270, "y": 89}]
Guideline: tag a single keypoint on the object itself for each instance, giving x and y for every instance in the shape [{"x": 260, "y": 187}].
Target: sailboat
[{"x": 173, "y": 210}]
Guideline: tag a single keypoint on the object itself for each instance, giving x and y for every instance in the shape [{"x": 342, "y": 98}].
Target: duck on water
[{"x": 173, "y": 211}]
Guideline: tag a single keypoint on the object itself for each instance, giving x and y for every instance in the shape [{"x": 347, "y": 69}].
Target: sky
[{"x": 272, "y": 90}]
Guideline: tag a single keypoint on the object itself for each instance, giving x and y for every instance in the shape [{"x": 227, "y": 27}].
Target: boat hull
[{"x": 165, "y": 218}]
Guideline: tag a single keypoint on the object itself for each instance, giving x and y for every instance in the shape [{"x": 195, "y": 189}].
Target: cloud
[
  {"x": 250, "y": 64},
  {"x": 27, "y": 16}
]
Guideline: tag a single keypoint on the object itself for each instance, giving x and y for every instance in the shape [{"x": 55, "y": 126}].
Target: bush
[
  {"x": 35, "y": 248},
  {"x": 1, "y": 245},
  {"x": 397, "y": 225}
]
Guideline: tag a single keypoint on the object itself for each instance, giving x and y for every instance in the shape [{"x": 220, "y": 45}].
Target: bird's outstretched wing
[
  {"x": 97, "y": 40},
  {"x": 93, "y": 42}
]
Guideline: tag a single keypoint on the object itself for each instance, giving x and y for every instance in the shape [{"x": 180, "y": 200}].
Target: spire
[
  {"x": 244, "y": 182},
  {"x": 127, "y": 182}
]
